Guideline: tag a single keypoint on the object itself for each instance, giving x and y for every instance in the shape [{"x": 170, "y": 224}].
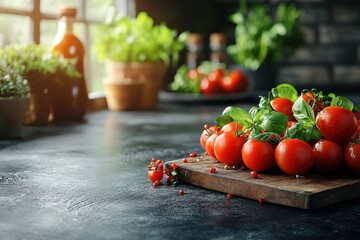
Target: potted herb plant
[
  {"x": 46, "y": 74},
  {"x": 262, "y": 40},
  {"x": 13, "y": 99},
  {"x": 136, "y": 52}
]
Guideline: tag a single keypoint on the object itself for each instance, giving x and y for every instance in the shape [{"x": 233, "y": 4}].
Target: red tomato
[
  {"x": 316, "y": 105},
  {"x": 228, "y": 148},
  {"x": 258, "y": 155},
  {"x": 156, "y": 174},
  {"x": 328, "y": 156},
  {"x": 232, "y": 127},
  {"x": 235, "y": 82},
  {"x": 206, "y": 134},
  {"x": 294, "y": 156},
  {"x": 193, "y": 74},
  {"x": 352, "y": 157},
  {"x": 337, "y": 124},
  {"x": 208, "y": 87},
  {"x": 356, "y": 136},
  {"x": 209, "y": 145},
  {"x": 216, "y": 75},
  {"x": 284, "y": 106}
]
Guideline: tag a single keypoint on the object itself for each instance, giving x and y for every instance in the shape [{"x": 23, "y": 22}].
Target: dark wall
[{"x": 330, "y": 58}]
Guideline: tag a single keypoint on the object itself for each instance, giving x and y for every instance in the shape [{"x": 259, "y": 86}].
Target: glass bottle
[
  {"x": 70, "y": 100},
  {"x": 194, "y": 46},
  {"x": 218, "y": 48}
]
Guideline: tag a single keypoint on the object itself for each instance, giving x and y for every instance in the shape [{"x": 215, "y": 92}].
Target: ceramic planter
[
  {"x": 124, "y": 96},
  {"x": 12, "y": 112},
  {"x": 150, "y": 74}
]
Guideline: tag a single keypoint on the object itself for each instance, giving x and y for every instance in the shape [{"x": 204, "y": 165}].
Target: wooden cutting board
[{"x": 310, "y": 192}]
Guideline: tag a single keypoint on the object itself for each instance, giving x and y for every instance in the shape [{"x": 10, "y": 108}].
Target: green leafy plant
[
  {"x": 261, "y": 38},
  {"x": 125, "y": 39},
  {"x": 27, "y": 58},
  {"x": 12, "y": 83}
]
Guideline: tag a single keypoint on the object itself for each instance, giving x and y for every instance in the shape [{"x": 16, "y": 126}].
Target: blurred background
[{"x": 330, "y": 57}]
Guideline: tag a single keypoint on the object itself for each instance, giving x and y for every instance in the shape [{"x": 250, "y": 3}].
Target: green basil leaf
[
  {"x": 303, "y": 132},
  {"x": 238, "y": 115},
  {"x": 303, "y": 112},
  {"x": 342, "y": 101},
  {"x": 254, "y": 111},
  {"x": 264, "y": 103},
  {"x": 285, "y": 90},
  {"x": 274, "y": 122},
  {"x": 222, "y": 120}
]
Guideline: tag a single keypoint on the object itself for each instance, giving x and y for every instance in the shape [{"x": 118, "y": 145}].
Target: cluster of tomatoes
[
  {"x": 220, "y": 81},
  {"x": 296, "y": 133},
  {"x": 208, "y": 79}
]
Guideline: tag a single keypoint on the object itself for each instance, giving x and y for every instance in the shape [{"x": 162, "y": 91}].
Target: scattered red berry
[
  {"x": 261, "y": 200},
  {"x": 181, "y": 192},
  {"x": 212, "y": 170},
  {"x": 192, "y": 155},
  {"x": 253, "y": 174},
  {"x": 153, "y": 160},
  {"x": 185, "y": 160},
  {"x": 229, "y": 196},
  {"x": 174, "y": 166}
]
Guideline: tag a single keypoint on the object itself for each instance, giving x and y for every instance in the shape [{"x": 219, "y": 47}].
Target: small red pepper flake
[
  {"x": 192, "y": 155},
  {"x": 261, "y": 200},
  {"x": 181, "y": 192},
  {"x": 229, "y": 196},
  {"x": 174, "y": 166},
  {"x": 153, "y": 160},
  {"x": 254, "y": 174},
  {"x": 212, "y": 169},
  {"x": 185, "y": 160}
]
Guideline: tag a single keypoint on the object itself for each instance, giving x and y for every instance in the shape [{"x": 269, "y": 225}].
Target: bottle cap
[
  {"x": 218, "y": 38},
  {"x": 68, "y": 11},
  {"x": 195, "y": 38}
]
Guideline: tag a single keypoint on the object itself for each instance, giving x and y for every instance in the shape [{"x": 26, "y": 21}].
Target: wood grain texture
[{"x": 310, "y": 192}]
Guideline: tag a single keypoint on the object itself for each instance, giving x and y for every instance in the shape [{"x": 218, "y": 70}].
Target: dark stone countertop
[{"x": 89, "y": 181}]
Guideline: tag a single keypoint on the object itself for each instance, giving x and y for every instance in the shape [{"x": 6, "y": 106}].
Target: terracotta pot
[
  {"x": 124, "y": 96},
  {"x": 150, "y": 73},
  {"x": 12, "y": 112}
]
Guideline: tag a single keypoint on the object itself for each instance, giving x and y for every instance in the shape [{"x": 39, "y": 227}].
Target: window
[{"x": 26, "y": 21}]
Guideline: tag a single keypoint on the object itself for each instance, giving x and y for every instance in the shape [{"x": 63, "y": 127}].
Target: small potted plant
[
  {"x": 262, "y": 40},
  {"x": 13, "y": 99},
  {"x": 46, "y": 74},
  {"x": 136, "y": 52}
]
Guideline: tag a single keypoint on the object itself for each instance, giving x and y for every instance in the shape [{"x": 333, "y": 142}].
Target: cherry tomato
[
  {"x": 209, "y": 145},
  {"x": 193, "y": 74},
  {"x": 258, "y": 155},
  {"x": 232, "y": 127},
  {"x": 352, "y": 157},
  {"x": 328, "y": 156},
  {"x": 309, "y": 98},
  {"x": 156, "y": 174},
  {"x": 206, "y": 134},
  {"x": 337, "y": 124},
  {"x": 235, "y": 82},
  {"x": 356, "y": 136},
  {"x": 208, "y": 87},
  {"x": 294, "y": 156},
  {"x": 216, "y": 75},
  {"x": 284, "y": 106},
  {"x": 228, "y": 147}
]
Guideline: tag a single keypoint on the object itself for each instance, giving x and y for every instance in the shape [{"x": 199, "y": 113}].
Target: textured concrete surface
[{"x": 89, "y": 181}]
